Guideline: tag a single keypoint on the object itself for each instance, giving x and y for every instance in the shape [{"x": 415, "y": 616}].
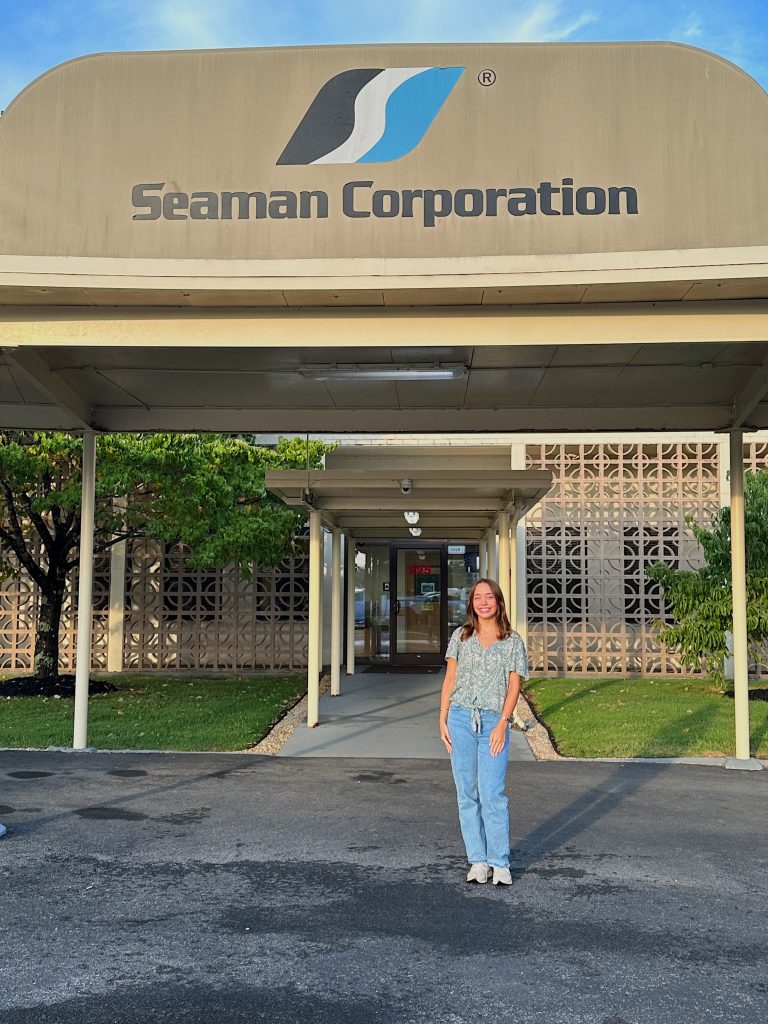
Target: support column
[
  {"x": 504, "y": 556},
  {"x": 724, "y": 498},
  {"x": 519, "y": 574},
  {"x": 739, "y": 591},
  {"x": 85, "y": 592},
  {"x": 351, "y": 552},
  {"x": 483, "y": 557},
  {"x": 315, "y": 597},
  {"x": 336, "y": 612},
  {"x": 520, "y": 581},
  {"x": 492, "y": 567},
  {"x": 512, "y": 611},
  {"x": 116, "y": 620},
  {"x": 321, "y": 602}
]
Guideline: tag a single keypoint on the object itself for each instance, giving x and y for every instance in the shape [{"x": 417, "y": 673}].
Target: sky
[{"x": 38, "y": 34}]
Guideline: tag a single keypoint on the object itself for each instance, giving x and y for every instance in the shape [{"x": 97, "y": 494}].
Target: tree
[
  {"x": 700, "y": 601},
  {"x": 205, "y": 491}
]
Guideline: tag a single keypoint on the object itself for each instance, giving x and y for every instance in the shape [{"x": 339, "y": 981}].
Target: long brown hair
[{"x": 503, "y": 627}]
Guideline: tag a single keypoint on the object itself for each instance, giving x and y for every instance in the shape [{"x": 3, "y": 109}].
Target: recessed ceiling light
[
  {"x": 415, "y": 531},
  {"x": 411, "y": 517},
  {"x": 386, "y": 371}
]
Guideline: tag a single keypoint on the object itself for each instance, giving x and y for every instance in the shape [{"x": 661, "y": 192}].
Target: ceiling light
[
  {"x": 386, "y": 371},
  {"x": 415, "y": 531},
  {"x": 411, "y": 517}
]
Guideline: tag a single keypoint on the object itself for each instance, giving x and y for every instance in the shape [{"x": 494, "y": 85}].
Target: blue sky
[{"x": 38, "y": 34}]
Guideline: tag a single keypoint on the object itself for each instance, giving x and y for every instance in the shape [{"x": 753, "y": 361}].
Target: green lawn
[
  {"x": 643, "y": 717},
  {"x": 158, "y": 712}
]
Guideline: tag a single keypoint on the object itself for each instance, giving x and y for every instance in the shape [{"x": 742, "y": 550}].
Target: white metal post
[
  {"x": 336, "y": 612},
  {"x": 323, "y": 605},
  {"x": 85, "y": 592},
  {"x": 483, "y": 557},
  {"x": 724, "y": 497},
  {"x": 520, "y": 582},
  {"x": 351, "y": 553},
  {"x": 492, "y": 568},
  {"x": 513, "y": 557},
  {"x": 116, "y": 620},
  {"x": 315, "y": 597},
  {"x": 739, "y": 591},
  {"x": 503, "y": 577}
]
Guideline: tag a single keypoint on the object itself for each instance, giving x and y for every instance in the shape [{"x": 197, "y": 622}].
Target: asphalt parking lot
[{"x": 233, "y": 888}]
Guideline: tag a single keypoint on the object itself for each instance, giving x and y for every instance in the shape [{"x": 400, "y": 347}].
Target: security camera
[{"x": 405, "y": 485}]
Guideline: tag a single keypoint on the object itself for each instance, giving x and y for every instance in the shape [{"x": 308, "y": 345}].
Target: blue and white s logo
[{"x": 370, "y": 115}]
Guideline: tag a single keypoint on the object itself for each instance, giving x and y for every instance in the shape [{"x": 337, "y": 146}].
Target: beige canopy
[{"x": 459, "y": 493}]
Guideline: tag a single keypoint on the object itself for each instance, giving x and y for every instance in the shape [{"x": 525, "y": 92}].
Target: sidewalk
[{"x": 382, "y": 715}]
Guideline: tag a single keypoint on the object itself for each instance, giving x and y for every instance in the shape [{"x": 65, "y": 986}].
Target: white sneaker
[
  {"x": 479, "y": 873},
  {"x": 501, "y": 876}
]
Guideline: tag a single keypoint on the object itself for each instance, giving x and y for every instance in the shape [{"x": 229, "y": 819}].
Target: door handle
[{"x": 397, "y": 607}]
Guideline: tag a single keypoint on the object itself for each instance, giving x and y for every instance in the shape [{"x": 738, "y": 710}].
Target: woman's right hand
[
  {"x": 445, "y": 702},
  {"x": 445, "y": 736}
]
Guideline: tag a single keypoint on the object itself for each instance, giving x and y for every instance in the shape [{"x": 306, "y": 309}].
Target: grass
[
  {"x": 158, "y": 712},
  {"x": 605, "y": 717},
  {"x": 683, "y": 717}
]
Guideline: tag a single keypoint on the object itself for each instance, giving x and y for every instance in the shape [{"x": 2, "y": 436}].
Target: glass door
[
  {"x": 372, "y": 606},
  {"x": 418, "y": 611}
]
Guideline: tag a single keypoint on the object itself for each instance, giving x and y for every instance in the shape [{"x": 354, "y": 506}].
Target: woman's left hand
[{"x": 498, "y": 738}]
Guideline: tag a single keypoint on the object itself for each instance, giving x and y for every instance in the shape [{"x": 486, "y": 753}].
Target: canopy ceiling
[
  {"x": 633, "y": 298},
  {"x": 630, "y": 366}
]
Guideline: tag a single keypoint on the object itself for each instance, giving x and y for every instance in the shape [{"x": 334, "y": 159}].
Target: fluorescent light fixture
[
  {"x": 386, "y": 371},
  {"x": 415, "y": 531},
  {"x": 411, "y": 517}
]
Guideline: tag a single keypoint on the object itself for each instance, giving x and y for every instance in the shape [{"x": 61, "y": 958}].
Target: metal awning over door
[{"x": 459, "y": 493}]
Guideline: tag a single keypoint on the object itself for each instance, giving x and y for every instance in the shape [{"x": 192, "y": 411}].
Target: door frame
[{"x": 412, "y": 660}]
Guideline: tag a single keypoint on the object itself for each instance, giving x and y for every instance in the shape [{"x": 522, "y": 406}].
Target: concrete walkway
[{"x": 383, "y": 715}]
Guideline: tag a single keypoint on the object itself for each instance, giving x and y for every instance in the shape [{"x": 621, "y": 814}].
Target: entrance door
[{"x": 418, "y": 612}]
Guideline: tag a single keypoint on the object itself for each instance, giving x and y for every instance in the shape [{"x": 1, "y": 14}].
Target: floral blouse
[{"x": 482, "y": 676}]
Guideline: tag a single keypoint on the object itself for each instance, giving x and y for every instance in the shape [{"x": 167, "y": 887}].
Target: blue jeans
[{"x": 480, "y": 779}]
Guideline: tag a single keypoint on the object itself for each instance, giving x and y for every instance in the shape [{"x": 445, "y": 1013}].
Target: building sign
[
  {"x": 361, "y": 199},
  {"x": 385, "y": 152}
]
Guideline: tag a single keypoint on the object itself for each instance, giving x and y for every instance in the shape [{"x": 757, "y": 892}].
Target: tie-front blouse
[{"x": 482, "y": 675}]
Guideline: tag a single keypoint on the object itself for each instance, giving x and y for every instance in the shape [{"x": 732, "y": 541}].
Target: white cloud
[
  {"x": 544, "y": 22},
  {"x": 187, "y": 24},
  {"x": 177, "y": 24},
  {"x": 692, "y": 27},
  {"x": 455, "y": 20},
  {"x": 194, "y": 23}
]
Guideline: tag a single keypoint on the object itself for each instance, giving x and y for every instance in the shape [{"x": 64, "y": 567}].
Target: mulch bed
[
  {"x": 755, "y": 693},
  {"x": 49, "y": 686}
]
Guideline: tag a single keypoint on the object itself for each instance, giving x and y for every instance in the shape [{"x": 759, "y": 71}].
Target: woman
[{"x": 486, "y": 663}]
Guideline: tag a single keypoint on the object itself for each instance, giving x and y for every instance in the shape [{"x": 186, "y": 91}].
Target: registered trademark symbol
[{"x": 487, "y": 77}]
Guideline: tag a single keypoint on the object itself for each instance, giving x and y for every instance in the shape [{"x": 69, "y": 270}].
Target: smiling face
[
  {"x": 486, "y": 608},
  {"x": 484, "y": 603}
]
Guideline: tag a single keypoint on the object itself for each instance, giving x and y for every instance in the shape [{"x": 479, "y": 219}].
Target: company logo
[{"x": 370, "y": 115}]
